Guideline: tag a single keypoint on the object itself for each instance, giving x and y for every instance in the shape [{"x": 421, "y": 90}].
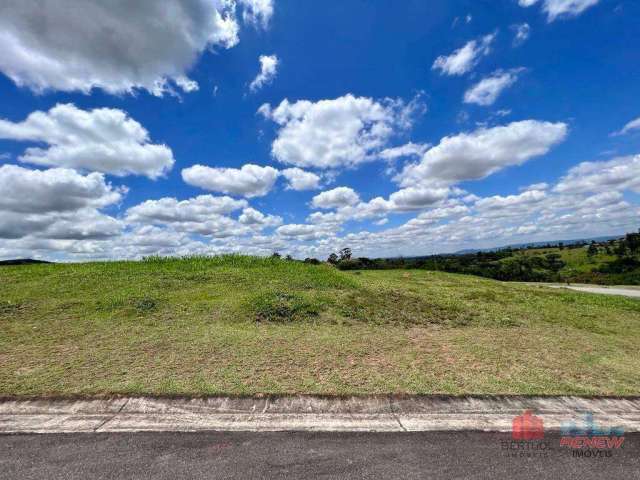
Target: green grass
[
  {"x": 575, "y": 258},
  {"x": 581, "y": 268},
  {"x": 243, "y": 326}
]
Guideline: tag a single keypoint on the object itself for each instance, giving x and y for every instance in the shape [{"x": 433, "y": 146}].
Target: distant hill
[
  {"x": 21, "y": 261},
  {"x": 553, "y": 243}
]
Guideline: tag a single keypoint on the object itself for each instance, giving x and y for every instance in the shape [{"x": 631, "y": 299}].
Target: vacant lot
[{"x": 241, "y": 325}]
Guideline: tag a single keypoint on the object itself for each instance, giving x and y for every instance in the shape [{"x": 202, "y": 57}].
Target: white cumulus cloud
[
  {"x": 618, "y": 174},
  {"x": 475, "y": 155},
  {"x": 248, "y": 181},
  {"x": 103, "y": 140},
  {"x": 561, "y": 8},
  {"x": 171, "y": 210},
  {"x": 299, "y": 179},
  {"x": 338, "y": 197},
  {"x": 268, "y": 71},
  {"x": 116, "y": 45},
  {"x": 258, "y": 12},
  {"x": 252, "y": 217},
  {"x": 53, "y": 190},
  {"x": 303, "y": 232},
  {"x": 416, "y": 198},
  {"x": 408, "y": 150},
  {"x": 465, "y": 58},
  {"x": 203, "y": 215},
  {"x": 57, "y": 203},
  {"x": 487, "y": 90},
  {"x": 502, "y": 203},
  {"x": 345, "y": 131},
  {"x": 629, "y": 127},
  {"x": 522, "y": 32}
]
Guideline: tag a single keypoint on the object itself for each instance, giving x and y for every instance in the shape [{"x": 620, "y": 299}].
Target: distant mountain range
[{"x": 21, "y": 261}]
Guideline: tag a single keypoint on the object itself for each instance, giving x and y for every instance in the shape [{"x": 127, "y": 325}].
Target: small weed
[
  {"x": 484, "y": 295},
  {"x": 140, "y": 305},
  {"x": 145, "y": 304},
  {"x": 110, "y": 304},
  {"x": 507, "y": 322},
  {"x": 282, "y": 307},
  {"x": 9, "y": 308}
]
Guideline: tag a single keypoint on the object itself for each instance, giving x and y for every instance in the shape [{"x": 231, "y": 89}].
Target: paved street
[
  {"x": 622, "y": 290},
  {"x": 299, "y": 455}
]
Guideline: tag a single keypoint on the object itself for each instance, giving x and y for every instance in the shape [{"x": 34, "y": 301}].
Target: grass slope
[
  {"x": 242, "y": 325},
  {"x": 580, "y": 267},
  {"x": 575, "y": 258}
]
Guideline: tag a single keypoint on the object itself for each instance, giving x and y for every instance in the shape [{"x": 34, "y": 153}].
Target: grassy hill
[
  {"x": 580, "y": 267},
  {"x": 242, "y": 325},
  {"x": 575, "y": 259}
]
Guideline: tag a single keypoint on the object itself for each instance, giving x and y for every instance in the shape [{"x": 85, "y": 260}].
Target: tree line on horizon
[{"x": 622, "y": 264}]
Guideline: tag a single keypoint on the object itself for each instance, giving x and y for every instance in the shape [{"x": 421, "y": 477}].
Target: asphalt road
[
  {"x": 301, "y": 455},
  {"x": 631, "y": 291},
  {"x": 625, "y": 292}
]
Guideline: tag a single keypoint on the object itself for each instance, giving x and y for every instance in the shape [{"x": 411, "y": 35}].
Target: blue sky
[{"x": 396, "y": 128}]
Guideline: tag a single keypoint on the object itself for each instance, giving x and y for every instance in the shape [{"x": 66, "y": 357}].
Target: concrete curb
[{"x": 306, "y": 413}]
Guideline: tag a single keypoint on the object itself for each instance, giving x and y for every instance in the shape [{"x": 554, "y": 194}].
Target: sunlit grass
[{"x": 243, "y": 325}]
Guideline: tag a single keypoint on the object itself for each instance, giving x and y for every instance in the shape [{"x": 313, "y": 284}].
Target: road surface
[
  {"x": 625, "y": 291},
  {"x": 300, "y": 455}
]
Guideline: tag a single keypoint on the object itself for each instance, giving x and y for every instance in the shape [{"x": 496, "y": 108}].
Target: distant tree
[
  {"x": 333, "y": 259},
  {"x": 515, "y": 268},
  {"x": 288, "y": 257},
  {"x": 621, "y": 249},
  {"x": 632, "y": 240},
  {"x": 592, "y": 251},
  {"x": 312, "y": 261},
  {"x": 276, "y": 255},
  {"x": 561, "y": 245},
  {"x": 345, "y": 254},
  {"x": 567, "y": 274},
  {"x": 554, "y": 261}
]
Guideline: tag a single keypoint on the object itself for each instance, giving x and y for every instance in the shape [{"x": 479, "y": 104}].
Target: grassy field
[
  {"x": 245, "y": 326},
  {"x": 575, "y": 258},
  {"x": 581, "y": 268}
]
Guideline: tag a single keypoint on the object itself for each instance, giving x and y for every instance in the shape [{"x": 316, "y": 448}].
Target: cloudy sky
[{"x": 396, "y": 128}]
